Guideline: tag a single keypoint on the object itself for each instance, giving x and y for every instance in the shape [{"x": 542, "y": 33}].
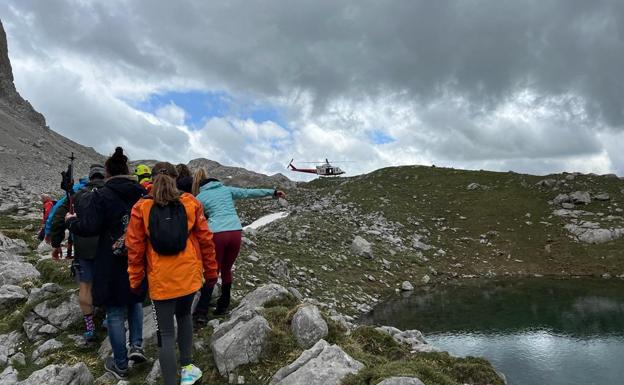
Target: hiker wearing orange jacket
[{"x": 175, "y": 275}]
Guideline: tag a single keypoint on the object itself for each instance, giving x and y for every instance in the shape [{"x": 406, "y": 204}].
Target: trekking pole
[{"x": 67, "y": 182}]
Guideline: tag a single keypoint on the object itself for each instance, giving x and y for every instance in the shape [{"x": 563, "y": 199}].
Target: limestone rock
[
  {"x": 46, "y": 347},
  {"x": 401, "y": 381},
  {"x": 12, "y": 246},
  {"x": 589, "y": 232},
  {"x": 260, "y": 296},
  {"x": 602, "y": 197},
  {"x": 406, "y": 286},
  {"x": 580, "y": 197},
  {"x": 412, "y": 338},
  {"x": 11, "y": 295},
  {"x": 45, "y": 291},
  {"x": 7, "y": 208},
  {"x": 8, "y": 376},
  {"x": 322, "y": 364},
  {"x": 77, "y": 374},
  {"x": 473, "y": 186},
  {"x": 44, "y": 248},
  {"x": 61, "y": 316},
  {"x": 308, "y": 326},
  {"x": 243, "y": 343},
  {"x": 14, "y": 273},
  {"x": 362, "y": 247}
]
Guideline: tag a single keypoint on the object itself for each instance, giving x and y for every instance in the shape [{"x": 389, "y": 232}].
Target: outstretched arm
[
  {"x": 136, "y": 239},
  {"x": 246, "y": 193}
]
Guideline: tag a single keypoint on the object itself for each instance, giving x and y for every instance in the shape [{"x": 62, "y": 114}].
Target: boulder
[
  {"x": 362, "y": 247},
  {"x": 425, "y": 279},
  {"x": 8, "y": 376},
  {"x": 308, "y": 326},
  {"x": 548, "y": 183},
  {"x": 260, "y": 296},
  {"x": 589, "y": 232},
  {"x": 413, "y": 338},
  {"x": 44, "y": 248},
  {"x": 46, "y": 347},
  {"x": 32, "y": 324},
  {"x": 239, "y": 342},
  {"x": 11, "y": 295},
  {"x": 406, "y": 286},
  {"x": 45, "y": 291},
  {"x": 322, "y": 364},
  {"x": 8, "y": 207},
  {"x": 580, "y": 197},
  {"x": 401, "y": 381},
  {"x": 602, "y": 197},
  {"x": 12, "y": 246},
  {"x": 14, "y": 273},
  {"x": 9, "y": 343},
  {"x": 473, "y": 186},
  {"x": 77, "y": 374},
  {"x": 61, "y": 316}
]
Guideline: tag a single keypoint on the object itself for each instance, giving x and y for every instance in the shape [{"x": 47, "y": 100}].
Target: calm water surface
[{"x": 536, "y": 331}]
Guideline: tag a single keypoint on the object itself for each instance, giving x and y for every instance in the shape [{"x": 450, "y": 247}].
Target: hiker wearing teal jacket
[{"x": 218, "y": 201}]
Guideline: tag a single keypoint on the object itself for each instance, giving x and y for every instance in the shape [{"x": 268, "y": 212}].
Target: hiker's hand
[
  {"x": 69, "y": 216},
  {"x": 138, "y": 291},
  {"x": 280, "y": 194},
  {"x": 56, "y": 253}
]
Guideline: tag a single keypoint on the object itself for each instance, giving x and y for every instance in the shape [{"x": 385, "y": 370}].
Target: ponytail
[{"x": 198, "y": 176}]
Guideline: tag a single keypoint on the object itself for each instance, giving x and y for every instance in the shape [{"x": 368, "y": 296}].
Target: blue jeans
[{"x": 115, "y": 323}]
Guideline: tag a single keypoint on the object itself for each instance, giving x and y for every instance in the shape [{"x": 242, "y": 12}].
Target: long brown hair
[
  {"x": 164, "y": 189},
  {"x": 198, "y": 176},
  {"x": 183, "y": 171}
]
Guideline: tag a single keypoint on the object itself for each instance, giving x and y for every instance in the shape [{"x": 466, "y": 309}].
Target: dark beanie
[{"x": 96, "y": 171}]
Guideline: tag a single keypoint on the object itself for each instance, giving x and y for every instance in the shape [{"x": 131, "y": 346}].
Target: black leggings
[{"x": 165, "y": 310}]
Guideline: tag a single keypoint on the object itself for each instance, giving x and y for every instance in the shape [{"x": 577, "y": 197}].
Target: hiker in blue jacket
[
  {"x": 223, "y": 221},
  {"x": 57, "y": 252}
]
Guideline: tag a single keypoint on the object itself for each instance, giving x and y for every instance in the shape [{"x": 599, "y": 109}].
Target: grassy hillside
[{"x": 503, "y": 227}]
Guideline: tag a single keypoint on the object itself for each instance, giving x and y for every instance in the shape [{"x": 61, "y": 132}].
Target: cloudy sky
[{"x": 532, "y": 86}]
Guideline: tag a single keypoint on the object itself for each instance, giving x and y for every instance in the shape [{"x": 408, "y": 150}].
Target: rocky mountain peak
[{"x": 8, "y": 94}]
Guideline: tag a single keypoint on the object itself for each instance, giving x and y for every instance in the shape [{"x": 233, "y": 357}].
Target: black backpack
[{"x": 168, "y": 228}]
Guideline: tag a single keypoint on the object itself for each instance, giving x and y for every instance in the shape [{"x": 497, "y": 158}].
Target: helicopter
[{"x": 325, "y": 169}]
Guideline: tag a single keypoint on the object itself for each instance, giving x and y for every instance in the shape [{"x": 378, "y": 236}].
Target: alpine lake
[{"x": 537, "y": 331}]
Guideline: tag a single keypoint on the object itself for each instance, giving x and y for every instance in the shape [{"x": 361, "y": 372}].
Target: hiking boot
[
  {"x": 89, "y": 336},
  {"x": 200, "y": 319},
  {"x": 224, "y": 300},
  {"x": 137, "y": 354},
  {"x": 109, "y": 366},
  {"x": 190, "y": 375}
]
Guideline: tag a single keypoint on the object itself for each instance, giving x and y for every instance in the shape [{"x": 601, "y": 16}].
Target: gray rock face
[
  {"x": 11, "y": 295},
  {"x": 46, "y": 347},
  {"x": 78, "y": 374},
  {"x": 154, "y": 374},
  {"x": 45, "y": 291},
  {"x": 14, "y": 273},
  {"x": 239, "y": 342},
  {"x": 61, "y": 316},
  {"x": 362, "y": 247},
  {"x": 8, "y": 376},
  {"x": 407, "y": 286},
  {"x": 401, "y": 381},
  {"x": 308, "y": 326},
  {"x": 260, "y": 296},
  {"x": 580, "y": 197},
  {"x": 323, "y": 364},
  {"x": 8, "y": 343},
  {"x": 12, "y": 246},
  {"x": 590, "y": 232},
  {"x": 7, "y": 208},
  {"x": 413, "y": 338}
]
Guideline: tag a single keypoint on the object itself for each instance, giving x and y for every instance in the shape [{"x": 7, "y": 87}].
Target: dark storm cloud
[{"x": 485, "y": 53}]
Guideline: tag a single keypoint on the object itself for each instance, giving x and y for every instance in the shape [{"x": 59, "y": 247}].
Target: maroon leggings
[{"x": 227, "y": 246}]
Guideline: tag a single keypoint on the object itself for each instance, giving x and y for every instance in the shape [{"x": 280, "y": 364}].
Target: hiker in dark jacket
[
  {"x": 184, "y": 180},
  {"x": 105, "y": 213},
  {"x": 85, "y": 248}
]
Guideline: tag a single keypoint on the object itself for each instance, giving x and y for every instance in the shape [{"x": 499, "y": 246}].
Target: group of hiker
[{"x": 160, "y": 232}]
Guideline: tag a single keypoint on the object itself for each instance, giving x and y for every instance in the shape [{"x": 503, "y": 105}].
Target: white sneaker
[{"x": 190, "y": 375}]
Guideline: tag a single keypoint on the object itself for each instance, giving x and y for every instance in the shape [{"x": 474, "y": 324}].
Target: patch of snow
[{"x": 265, "y": 220}]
